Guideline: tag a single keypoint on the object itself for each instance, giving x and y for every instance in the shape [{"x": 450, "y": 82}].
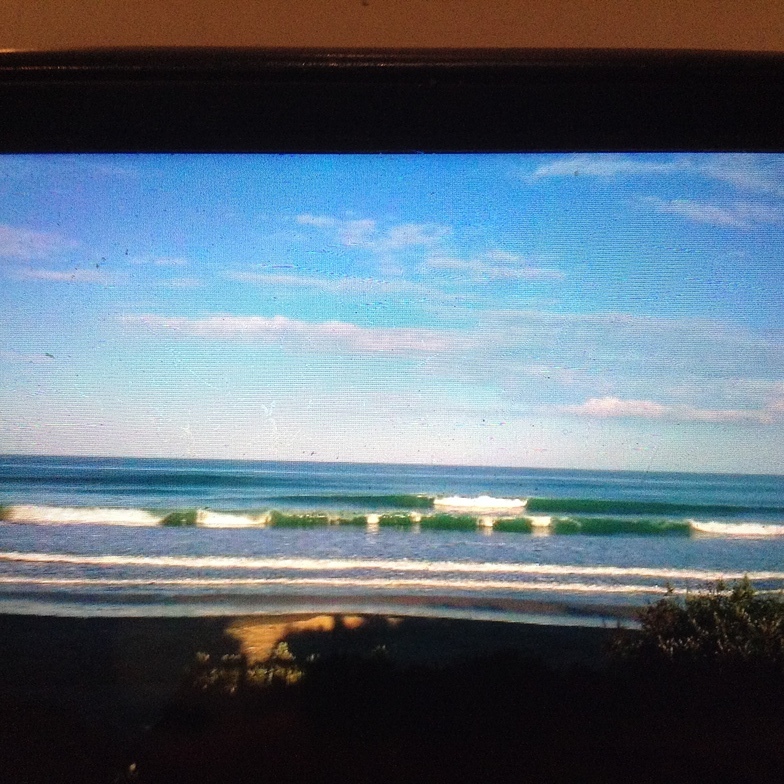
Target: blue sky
[{"x": 590, "y": 311}]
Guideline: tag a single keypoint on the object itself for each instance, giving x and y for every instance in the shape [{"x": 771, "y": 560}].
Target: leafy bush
[
  {"x": 231, "y": 674},
  {"x": 723, "y": 628}
]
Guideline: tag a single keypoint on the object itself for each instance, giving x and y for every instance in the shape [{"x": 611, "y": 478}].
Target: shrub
[
  {"x": 724, "y": 628},
  {"x": 232, "y": 673}
]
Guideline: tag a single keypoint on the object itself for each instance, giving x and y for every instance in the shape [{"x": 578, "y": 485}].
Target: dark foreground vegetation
[{"x": 696, "y": 695}]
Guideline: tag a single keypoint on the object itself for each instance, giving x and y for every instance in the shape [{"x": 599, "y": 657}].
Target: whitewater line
[
  {"x": 346, "y": 564},
  {"x": 340, "y": 582}
]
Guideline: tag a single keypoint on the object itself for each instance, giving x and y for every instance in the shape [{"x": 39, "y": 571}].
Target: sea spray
[
  {"x": 53, "y": 515},
  {"x": 736, "y": 529},
  {"x": 482, "y": 503}
]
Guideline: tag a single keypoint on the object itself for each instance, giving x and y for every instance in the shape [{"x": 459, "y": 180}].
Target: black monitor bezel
[{"x": 294, "y": 101}]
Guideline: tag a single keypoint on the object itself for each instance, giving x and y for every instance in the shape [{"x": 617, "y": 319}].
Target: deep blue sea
[{"x": 97, "y": 536}]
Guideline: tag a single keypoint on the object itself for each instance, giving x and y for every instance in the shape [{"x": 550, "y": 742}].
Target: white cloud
[
  {"x": 367, "y": 234},
  {"x": 618, "y": 408},
  {"x": 27, "y": 245},
  {"x": 182, "y": 283},
  {"x": 603, "y": 165},
  {"x": 161, "y": 261},
  {"x": 70, "y": 276},
  {"x": 320, "y": 221},
  {"x": 745, "y": 171},
  {"x": 336, "y": 285},
  {"x": 495, "y": 265},
  {"x": 740, "y": 215},
  {"x": 304, "y": 335}
]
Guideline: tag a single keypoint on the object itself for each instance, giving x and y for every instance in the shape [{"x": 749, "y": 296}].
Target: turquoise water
[{"x": 87, "y": 536}]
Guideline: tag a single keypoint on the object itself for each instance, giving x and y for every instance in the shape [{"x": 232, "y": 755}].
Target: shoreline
[{"x": 459, "y": 608}]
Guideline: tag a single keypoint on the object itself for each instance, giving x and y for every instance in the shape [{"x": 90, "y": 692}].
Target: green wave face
[
  {"x": 448, "y": 522},
  {"x": 596, "y": 506},
  {"x": 394, "y": 501},
  {"x": 184, "y": 518},
  {"x": 609, "y": 526},
  {"x": 358, "y": 521},
  {"x": 395, "y": 521},
  {"x": 519, "y": 525},
  {"x": 283, "y": 520}
]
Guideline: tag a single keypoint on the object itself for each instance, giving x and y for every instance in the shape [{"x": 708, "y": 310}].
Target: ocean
[{"x": 98, "y": 536}]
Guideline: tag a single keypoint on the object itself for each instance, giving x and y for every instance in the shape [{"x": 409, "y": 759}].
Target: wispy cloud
[
  {"x": 161, "y": 261},
  {"x": 336, "y": 285},
  {"x": 566, "y": 357},
  {"x": 618, "y": 408},
  {"x": 749, "y": 172},
  {"x": 181, "y": 283},
  {"x": 70, "y": 276},
  {"x": 494, "y": 265},
  {"x": 368, "y": 234},
  {"x": 740, "y": 215},
  {"x": 304, "y": 335},
  {"x": 605, "y": 166},
  {"x": 320, "y": 221},
  {"x": 27, "y": 245}
]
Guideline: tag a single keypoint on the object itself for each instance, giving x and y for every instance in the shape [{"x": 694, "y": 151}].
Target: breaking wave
[
  {"x": 483, "y": 503},
  {"x": 455, "y": 513},
  {"x": 603, "y": 506},
  {"x": 736, "y": 529},
  {"x": 55, "y": 515}
]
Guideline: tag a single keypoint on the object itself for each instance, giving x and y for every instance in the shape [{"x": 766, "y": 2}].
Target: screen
[
  {"x": 358, "y": 466},
  {"x": 247, "y": 383}
]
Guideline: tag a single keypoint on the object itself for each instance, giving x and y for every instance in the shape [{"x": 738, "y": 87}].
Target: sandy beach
[
  {"x": 390, "y": 698},
  {"x": 145, "y": 658},
  {"x": 77, "y": 692}
]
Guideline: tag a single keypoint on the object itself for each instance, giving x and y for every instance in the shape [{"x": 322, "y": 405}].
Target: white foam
[
  {"x": 736, "y": 529},
  {"x": 540, "y": 521},
  {"x": 338, "y": 564},
  {"x": 207, "y": 519},
  {"x": 55, "y": 515},
  {"x": 480, "y": 503},
  {"x": 341, "y": 582}
]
